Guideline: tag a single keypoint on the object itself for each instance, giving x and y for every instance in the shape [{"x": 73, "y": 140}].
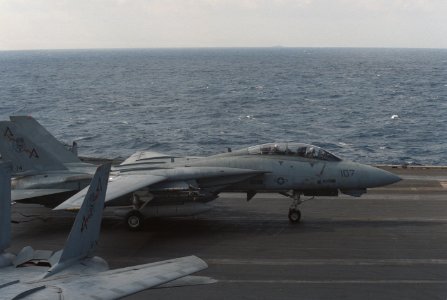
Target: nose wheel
[
  {"x": 294, "y": 212},
  {"x": 294, "y": 215}
]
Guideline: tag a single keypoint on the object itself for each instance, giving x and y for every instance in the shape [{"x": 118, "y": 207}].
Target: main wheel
[
  {"x": 134, "y": 220},
  {"x": 294, "y": 215}
]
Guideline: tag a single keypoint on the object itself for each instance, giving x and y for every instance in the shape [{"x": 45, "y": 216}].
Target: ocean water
[{"x": 201, "y": 101}]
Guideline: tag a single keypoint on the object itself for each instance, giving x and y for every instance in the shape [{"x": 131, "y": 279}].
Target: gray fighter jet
[
  {"x": 160, "y": 185},
  {"x": 73, "y": 272},
  {"x": 291, "y": 169}
]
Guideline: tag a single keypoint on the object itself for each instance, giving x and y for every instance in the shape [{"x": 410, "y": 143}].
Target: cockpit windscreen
[{"x": 294, "y": 149}]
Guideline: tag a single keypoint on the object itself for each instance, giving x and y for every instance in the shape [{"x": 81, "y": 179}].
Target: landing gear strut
[
  {"x": 134, "y": 218},
  {"x": 294, "y": 212}
]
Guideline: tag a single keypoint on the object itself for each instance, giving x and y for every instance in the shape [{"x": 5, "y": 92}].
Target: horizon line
[{"x": 223, "y": 47}]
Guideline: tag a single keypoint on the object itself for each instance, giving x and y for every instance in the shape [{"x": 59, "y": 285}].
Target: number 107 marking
[{"x": 347, "y": 173}]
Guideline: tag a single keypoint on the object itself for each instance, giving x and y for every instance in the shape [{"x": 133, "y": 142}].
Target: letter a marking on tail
[{"x": 93, "y": 197}]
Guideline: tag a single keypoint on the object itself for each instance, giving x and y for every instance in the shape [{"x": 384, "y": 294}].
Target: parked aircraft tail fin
[
  {"x": 33, "y": 129},
  {"x": 24, "y": 154},
  {"x": 84, "y": 233},
  {"x": 5, "y": 206}
]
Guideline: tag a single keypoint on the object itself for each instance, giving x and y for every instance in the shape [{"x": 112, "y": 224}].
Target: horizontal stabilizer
[
  {"x": 17, "y": 195},
  {"x": 28, "y": 254},
  {"x": 119, "y": 283}
]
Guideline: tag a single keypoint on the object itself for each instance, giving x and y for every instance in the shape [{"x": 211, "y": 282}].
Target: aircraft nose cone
[{"x": 376, "y": 177}]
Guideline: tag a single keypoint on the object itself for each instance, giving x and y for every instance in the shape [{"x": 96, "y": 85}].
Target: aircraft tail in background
[
  {"x": 41, "y": 137},
  {"x": 23, "y": 153}
]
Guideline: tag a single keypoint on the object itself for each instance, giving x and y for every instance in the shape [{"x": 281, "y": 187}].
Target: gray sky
[{"x": 72, "y": 24}]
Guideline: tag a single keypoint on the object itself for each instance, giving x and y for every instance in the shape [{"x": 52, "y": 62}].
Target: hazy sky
[{"x": 61, "y": 24}]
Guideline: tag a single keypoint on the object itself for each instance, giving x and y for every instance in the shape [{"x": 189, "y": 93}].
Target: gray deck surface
[{"x": 388, "y": 244}]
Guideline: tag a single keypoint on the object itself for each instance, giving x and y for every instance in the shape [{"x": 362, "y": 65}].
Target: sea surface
[{"x": 367, "y": 105}]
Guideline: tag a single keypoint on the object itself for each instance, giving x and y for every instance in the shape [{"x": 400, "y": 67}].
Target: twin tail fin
[{"x": 84, "y": 234}]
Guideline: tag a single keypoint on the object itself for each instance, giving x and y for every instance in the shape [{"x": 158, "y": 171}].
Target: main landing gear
[{"x": 135, "y": 219}]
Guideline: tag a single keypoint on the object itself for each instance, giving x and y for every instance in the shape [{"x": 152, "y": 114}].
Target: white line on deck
[
  {"x": 355, "y": 281},
  {"x": 316, "y": 262}
]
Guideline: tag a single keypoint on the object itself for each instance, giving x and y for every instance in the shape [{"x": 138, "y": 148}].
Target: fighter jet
[
  {"x": 291, "y": 169},
  {"x": 73, "y": 272},
  {"x": 159, "y": 185}
]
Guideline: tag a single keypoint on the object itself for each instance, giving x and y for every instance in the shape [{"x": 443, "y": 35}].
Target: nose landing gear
[
  {"x": 294, "y": 212},
  {"x": 294, "y": 215}
]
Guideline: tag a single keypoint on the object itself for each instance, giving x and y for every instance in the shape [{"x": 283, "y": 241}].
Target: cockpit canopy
[{"x": 294, "y": 149}]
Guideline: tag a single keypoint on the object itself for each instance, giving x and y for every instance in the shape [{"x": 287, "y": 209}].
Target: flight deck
[{"x": 391, "y": 243}]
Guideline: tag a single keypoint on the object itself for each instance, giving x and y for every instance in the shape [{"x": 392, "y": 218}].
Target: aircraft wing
[
  {"x": 22, "y": 194},
  {"x": 126, "y": 183},
  {"x": 117, "y": 187}
]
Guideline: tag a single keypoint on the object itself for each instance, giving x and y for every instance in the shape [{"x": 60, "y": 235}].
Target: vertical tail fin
[
  {"x": 84, "y": 234},
  {"x": 24, "y": 154},
  {"x": 39, "y": 135},
  {"x": 5, "y": 206}
]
